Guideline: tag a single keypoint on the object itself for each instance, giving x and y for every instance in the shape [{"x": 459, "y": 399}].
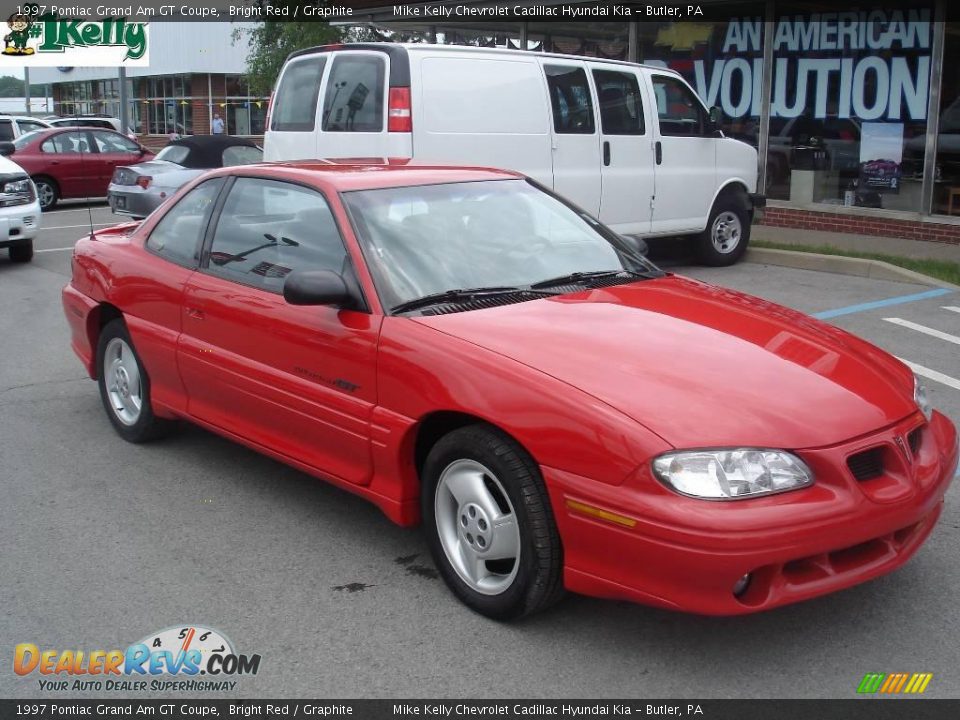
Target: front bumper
[
  {"x": 659, "y": 548},
  {"x": 19, "y": 224}
]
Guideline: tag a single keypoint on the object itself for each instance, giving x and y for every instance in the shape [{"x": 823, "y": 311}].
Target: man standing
[{"x": 217, "y": 125}]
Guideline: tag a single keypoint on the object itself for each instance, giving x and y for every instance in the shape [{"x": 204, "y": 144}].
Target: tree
[
  {"x": 271, "y": 42},
  {"x": 13, "y": 87}
]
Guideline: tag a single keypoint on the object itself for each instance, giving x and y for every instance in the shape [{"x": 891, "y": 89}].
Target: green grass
[{"x": 940, "y": 269}]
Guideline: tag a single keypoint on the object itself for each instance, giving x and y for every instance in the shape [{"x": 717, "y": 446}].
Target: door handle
[
  {"x": 606, "y": 152},
  {"x": 658, "y": 152},
  {"x": 195, "y": 313}
]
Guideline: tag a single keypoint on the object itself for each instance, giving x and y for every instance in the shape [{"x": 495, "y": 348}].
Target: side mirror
[
  {"x": 639, "y": 245},
  {"x": 7, "y": 148},
  {"x": 316, "y": 287},
  {"x": 716, "y": 116}
]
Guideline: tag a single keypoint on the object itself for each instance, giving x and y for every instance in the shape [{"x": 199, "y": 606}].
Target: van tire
[
  {"x": 725, "y": 239},
  {"x": 22, "y": 252}
]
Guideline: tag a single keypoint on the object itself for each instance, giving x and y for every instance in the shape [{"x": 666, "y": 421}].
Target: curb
[{"x": 859, "y": 267}]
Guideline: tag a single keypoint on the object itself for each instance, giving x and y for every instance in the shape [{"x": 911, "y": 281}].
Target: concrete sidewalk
[{"x": 918, "y": 249}]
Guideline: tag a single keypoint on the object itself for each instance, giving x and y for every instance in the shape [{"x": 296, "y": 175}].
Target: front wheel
[
  {"x": 22, "y": 252},
  {"x": 125, "y": 387},
  {"x": 728, "y": 231},
  {"x": 489, "y": 524},
  {"x": 47, "y": 193}
]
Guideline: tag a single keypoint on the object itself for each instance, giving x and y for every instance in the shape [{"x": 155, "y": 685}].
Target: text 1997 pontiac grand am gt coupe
[{"x": 465, "y": 349}]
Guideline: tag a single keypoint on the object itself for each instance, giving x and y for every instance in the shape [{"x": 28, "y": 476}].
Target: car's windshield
[
  {"x": 428, "y": 239},
  {"x": 21, "y": 142},
  {"x": 173, "y": 153}
]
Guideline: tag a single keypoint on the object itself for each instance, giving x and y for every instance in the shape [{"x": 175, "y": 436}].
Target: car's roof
[{"x": 345, "y": 174}]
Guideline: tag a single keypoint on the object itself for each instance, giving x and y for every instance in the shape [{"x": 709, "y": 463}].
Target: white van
[{"x": 630, "y": 144}]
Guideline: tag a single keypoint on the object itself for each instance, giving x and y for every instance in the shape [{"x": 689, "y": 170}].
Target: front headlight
[
  {"x": 921, "y": 398},
  {"x": 17, "y": 186},
  {"x": 732, "y": 474}
]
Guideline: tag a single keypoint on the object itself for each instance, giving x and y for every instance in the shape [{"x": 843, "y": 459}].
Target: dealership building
[{"x": 855, "y": 114}]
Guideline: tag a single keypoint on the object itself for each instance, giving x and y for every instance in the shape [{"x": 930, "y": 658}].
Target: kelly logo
[{"x": 894, "y": 683}]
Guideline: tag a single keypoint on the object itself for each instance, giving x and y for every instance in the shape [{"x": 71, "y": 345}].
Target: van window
[
  {"x": 570, "y": 99},
  {"x": 295, "y": 106},
  {"x": 6, "y": 130},
  {"x": 679, "y": 111},
  {"x": 354, "y": 98},
  {"x": 621, "y": 109}
]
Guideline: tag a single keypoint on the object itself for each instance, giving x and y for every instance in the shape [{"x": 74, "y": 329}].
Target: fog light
[{"x": 740, "y": 587}]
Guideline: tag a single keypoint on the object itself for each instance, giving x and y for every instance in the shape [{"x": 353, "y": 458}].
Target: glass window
[
  {"x": 679, "y": 111},
  {"x": 173, "y": 153},
  {"x": 241, "y": 155},
  {"x": 354, "y": 99},
  {"x": 29, "y": 126},
  {"x": 295, "y": 105},
  {"x": 108, "y": 142},
  {"x": 68, "y": 142},
  {"x": 570, "y": 100},
  {"x": 268, "y": 229},
  {"x": 946, "y": 174},
  {"x": 6, "y": 130},
  {"x": 177, "y": 236},
  {"x": 621, "y": 109}
]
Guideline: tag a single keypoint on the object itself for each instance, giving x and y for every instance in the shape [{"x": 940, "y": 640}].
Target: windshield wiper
[
  {"x": 459, "y": 295},
  {"x": 577, "y": 277}
]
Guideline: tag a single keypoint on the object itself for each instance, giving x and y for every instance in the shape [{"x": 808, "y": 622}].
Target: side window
[
  {"x": 295, "y": 104},
  {"x": 679, "y": 111},
  {"x": 69, "y": 142},
  {"x": 570, "y": 100},
  {"x": 270, "y": 228},
  {"x": 621, "y": 108},
  {"x": 6, "y": 130},
  {"x": 27, "y": 126},
  {"x": 354, "y": 97},
  {"x": 177, "y": 236},
  {"x": 108, "y": 142}
]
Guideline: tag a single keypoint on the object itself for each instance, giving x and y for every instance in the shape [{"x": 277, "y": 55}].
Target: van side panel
[{"x": 481, "y": 111}]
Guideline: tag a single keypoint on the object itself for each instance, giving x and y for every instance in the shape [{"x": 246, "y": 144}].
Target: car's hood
[{"x": 700, "y": 365}]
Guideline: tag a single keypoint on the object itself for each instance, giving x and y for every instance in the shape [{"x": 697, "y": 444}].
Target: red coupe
[
  {"x": 75, "y": 162},
  {"x": 467, "y": 350}
]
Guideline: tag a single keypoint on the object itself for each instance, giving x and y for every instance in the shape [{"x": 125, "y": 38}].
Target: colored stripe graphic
[{"x": 894, "y": 683}]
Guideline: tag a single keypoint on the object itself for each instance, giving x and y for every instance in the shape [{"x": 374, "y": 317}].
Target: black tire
[
  {"x": 22, "y": 252},
  {"x": 538, "y": 582},
  {"x": 47, "y": 193},
  {"x": 147, "y": 426},
  {"x": 730, "y": 214}
]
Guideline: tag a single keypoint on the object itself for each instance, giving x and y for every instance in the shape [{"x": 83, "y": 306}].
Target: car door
[
  {"x": 687, "y": 159},
  {"x": 575, "y": 140},
  {"x": 626, "y": 150},
  {"x": 293, "y": 118},
  {"x": 114, "y": 150},
  {"x": 68, "y": 159},
  {"x": 299, "y": 381}
]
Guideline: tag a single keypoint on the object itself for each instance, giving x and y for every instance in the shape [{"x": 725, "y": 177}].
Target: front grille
[
  {"x": 866, "y": 465},
  {"x": 915, "y": 439}
]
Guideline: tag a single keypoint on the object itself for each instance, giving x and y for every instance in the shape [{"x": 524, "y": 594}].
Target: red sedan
[
  {"x": 69, "y": 163},
  {"x": 467, "y": 350}
]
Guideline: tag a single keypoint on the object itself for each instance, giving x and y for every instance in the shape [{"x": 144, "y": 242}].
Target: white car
[
  {"x": 19, "y": 208},
  {"x": 630, "y": 144},
  {"x": 91, "y": 121},
  {"x": 13, "y": 126}
]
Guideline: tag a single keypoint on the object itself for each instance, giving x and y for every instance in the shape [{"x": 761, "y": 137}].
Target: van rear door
[
  {"x": 626, "y": 149},
  {"x": 293, "y": 116},
  {"x": 576, "y": 140}
]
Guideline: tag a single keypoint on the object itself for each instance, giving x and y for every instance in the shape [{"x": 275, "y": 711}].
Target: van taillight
[{"x": 398, "y": 112}]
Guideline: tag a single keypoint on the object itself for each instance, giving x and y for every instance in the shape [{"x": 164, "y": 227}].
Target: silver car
[{"x": 138, "y": 189}]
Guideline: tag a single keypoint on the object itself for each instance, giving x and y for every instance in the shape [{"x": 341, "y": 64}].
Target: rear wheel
[
  {"x": 489, "y": 524},
  {"x": 728, "y": 231},
  {"x": 125, "y": 387},
  {"x": 47, "y": 192},
  {"x": 22, "y": 252}
]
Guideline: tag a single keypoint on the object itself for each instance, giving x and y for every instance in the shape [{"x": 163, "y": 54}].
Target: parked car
[
  {"x": 70, "y": 163},
  {"x": 19, "y": 209},
  {"x": 464, "y": 348},
  {"x": 92, "y": 121},
  {"x": 13, "y": 126},
  {"x": 630, "y": 144},
  {"x": 138, "y": 189}
]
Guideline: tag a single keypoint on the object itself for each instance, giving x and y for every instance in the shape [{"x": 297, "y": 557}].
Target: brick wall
[{"x": 860, "y": 224}]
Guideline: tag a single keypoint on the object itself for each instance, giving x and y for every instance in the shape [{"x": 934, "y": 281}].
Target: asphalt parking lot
[{"x": 104, "y": 542}]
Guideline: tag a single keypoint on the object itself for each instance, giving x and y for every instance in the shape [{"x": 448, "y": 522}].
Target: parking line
[
  {"x": 951, "y": 308},
  {"x": 54, "y": 249},
  {"x": 70, "y": 227},
  {"x": 932, "y": 374},
  {"x": 863, "y": 307},
  {"x": 932, "y": 332}
]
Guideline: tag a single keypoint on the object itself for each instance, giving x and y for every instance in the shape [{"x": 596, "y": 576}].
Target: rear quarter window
[{"x": 295, "y": 104}]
